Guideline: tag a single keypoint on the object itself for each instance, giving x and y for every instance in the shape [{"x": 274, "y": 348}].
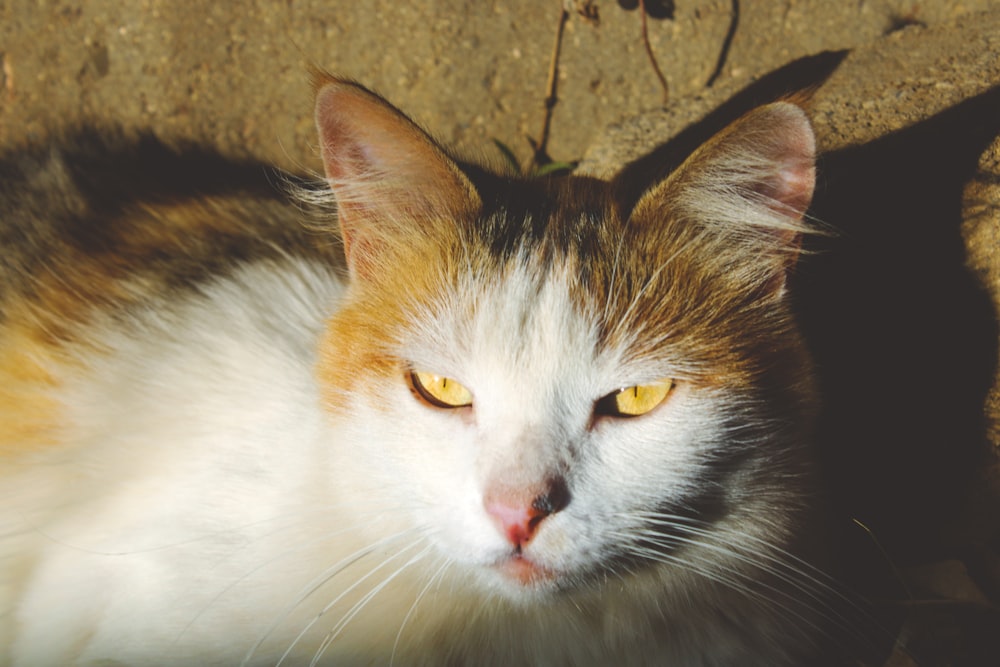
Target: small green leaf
[
  {"x": 508, "y": 155},
  {"x": 553, "y": 168}
]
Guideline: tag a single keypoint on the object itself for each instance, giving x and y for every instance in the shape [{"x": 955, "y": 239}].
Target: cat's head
[{"x": 552, "y": 386}]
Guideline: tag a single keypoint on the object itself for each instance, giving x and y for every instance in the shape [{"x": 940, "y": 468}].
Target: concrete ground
[{"x": 235, "y": 74}]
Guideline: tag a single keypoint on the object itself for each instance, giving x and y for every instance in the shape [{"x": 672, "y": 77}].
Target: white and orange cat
[{"x": 473, "y": 420}]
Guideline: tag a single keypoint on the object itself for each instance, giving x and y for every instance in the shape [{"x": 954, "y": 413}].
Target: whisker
[
  {"x": 819, "y": 592},
  {"x": 360, "y": 604},
  {"x": 780, "y": 560},
  {"x": 434, "y": 578},
  {"x": 766, "y": 596},
  {"x": 314, "y": 585},
  {"x": 612, "y": 299},
  {"x": 286, "y": 553},
  {"x": 672, "y": 558}
]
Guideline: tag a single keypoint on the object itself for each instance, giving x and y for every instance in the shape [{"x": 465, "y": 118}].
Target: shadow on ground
[
  {"x": 905, "y": 342},
  {"x": 904, "y": 339}
]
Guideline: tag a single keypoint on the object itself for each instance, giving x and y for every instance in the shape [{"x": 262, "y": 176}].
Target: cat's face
[
  {"x": 538, "y": 377},
  {"x": 553, "y": 389}
]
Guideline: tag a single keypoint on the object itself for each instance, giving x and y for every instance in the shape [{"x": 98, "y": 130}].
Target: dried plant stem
[
  {"x": 652, "y": 56},
  {"x": 540, "y": 155},
  {"x": 727, "y": 42}
]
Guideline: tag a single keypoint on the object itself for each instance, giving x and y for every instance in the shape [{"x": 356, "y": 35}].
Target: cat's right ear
[
  {"x": 392, "y": 182},
  {"x": 748, "y": 188}
]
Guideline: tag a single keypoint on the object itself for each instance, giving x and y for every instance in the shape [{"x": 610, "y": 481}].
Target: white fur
[
  {"x": 209, "y": 510},
  {"x": 194, "y": 443}
]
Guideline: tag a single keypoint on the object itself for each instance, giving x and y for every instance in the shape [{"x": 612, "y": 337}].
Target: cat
[{"x": 467, "y": 419}]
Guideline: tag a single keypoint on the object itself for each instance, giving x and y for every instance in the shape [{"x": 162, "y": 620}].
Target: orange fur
[
  {"x": 28, "y": 414},
  {"x": 358, "y": 337}
]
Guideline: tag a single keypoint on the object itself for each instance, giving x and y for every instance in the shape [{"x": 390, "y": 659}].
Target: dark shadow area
[
  {"x": 905, "y": 344},
  {"x": 904, "y": 337},
  {"x": 657, "y": 9},
  {"x": 802, "y": 75}
]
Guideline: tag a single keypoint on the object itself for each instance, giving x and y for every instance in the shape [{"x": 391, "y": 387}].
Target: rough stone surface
[
  {"x": 893, "y": 82},
  {"x": 235, "y": 75}
]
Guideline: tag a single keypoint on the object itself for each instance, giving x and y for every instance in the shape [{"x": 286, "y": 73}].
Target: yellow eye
[
  {"x": 636, "y": 400},
  {"x": 440, "y": 391}
]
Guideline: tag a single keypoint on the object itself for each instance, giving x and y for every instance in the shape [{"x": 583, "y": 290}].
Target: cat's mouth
[{"x": 524, "y": 571}]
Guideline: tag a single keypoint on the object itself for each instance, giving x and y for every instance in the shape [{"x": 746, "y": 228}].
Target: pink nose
[{"x": 517, "y": 512}]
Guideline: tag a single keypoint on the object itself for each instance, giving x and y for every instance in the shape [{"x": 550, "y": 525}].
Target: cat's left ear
[
  {"x": 748, "y": 188},
  {"x": 392, "y": 182}
]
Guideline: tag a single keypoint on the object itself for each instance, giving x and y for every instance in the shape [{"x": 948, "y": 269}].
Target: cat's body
[{"x": 222, "y": 442}]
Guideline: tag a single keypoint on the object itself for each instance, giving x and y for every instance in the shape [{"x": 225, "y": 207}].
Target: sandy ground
[{"x": 235, "y": 74}]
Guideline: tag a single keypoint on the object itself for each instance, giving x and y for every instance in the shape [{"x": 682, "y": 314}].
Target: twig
[
  {"x": 734, "y": 21},
  {"x": 540, "y": 155},
  {"x": 652, "y": 56},
  {"x": 885, "y": 554}
]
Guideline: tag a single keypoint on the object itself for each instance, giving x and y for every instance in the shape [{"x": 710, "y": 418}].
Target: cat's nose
[{"x": 518, "y": 511}]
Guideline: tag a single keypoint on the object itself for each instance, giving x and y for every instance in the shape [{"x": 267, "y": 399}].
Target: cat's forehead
[
  {"x": 551, "y": 277},
  {"x": 550, "y": 280},
  {"x": 524, "y": 344},
  {"x": 524, "y": 312},
  {"x": 552, "y": 217}
]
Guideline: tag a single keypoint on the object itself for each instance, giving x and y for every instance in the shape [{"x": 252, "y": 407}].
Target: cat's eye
[
  {"x": 440, "y": 391},
  {"x": 635, "y": 400}
]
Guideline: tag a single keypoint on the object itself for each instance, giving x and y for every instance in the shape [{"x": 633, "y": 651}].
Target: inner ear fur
[{"x": 748, "y": 188}]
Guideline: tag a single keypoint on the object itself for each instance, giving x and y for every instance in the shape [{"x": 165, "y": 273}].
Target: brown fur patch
[
  {"x": 28, "y": 413},
  {"x": 358, "y": 340}
]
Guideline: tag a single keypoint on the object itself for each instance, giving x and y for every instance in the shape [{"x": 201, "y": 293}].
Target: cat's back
[
  {"x": 133, "y": 277},
  {"x": 93, "y": 208},
  {"x": 96, "y": 226}
]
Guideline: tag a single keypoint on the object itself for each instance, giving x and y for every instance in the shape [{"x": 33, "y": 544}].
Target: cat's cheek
[
  {"x": 422, "y": 460},
  {"x": 654, "y": 456}
]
